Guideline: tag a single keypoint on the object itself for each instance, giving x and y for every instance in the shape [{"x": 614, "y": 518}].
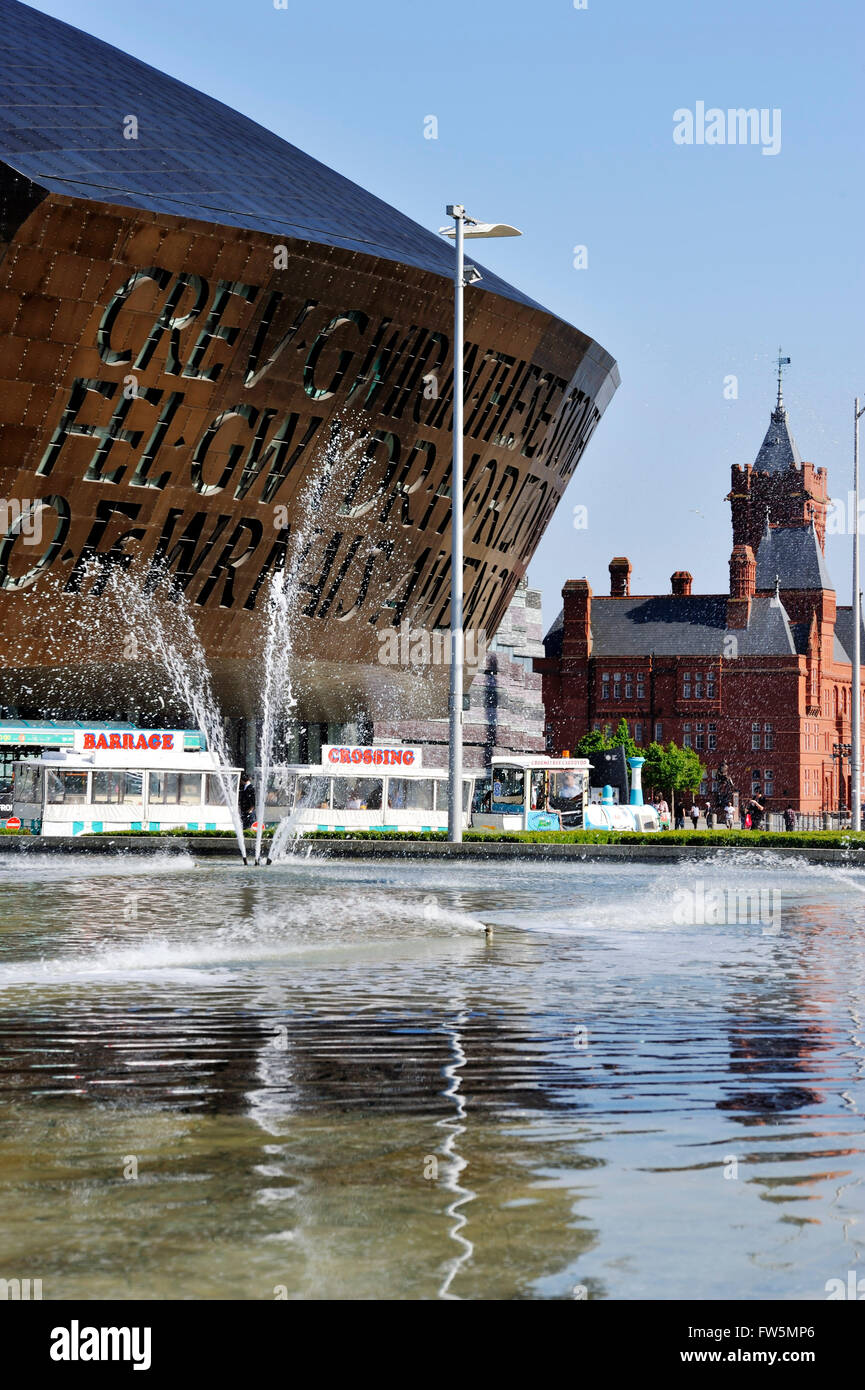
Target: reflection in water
[
  {"x": 456, "y": 1164},
  {"x": 282, "y": 1052}
]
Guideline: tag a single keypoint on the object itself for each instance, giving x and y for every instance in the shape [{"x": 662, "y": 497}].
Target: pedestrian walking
[
  {"x": 789, "y": 819},
  {"x": 246, "y": 802},
  {"x": 695, "y": 815}
]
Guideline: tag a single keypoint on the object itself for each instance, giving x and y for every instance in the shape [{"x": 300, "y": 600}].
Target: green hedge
[
  {"x": 5, "y": 831},
  {"x": 183, "y": 834},
  {"x": 729, "y": 838}
]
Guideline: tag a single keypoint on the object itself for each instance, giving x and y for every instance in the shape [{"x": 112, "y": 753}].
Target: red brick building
[{"x": 759, "y": 677}]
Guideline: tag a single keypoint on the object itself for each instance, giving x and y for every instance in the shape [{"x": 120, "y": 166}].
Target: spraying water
[
  {"x": 277, "y": 699},
  {"x": 276, "y": 696},
  {"x": 170, "y": 632}
]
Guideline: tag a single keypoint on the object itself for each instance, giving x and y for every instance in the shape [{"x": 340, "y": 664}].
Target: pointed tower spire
[{"x": 778, "y": 451}]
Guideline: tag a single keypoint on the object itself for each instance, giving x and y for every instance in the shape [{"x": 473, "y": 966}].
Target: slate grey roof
[
  {"x": 778, "y": 449},
  {"x": 844, "y": 636},
  {"x": 792, "y": 553},
  {"x": 64, "y": 96},
  {"x": 680, "y": 625}
]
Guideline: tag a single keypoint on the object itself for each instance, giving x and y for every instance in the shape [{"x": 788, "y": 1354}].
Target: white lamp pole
[
  {"x": 855, "y": 693},
  {"x": 464, "y": 226}
]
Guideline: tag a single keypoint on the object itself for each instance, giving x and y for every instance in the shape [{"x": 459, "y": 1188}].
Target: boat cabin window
[
  {"x": 213, "y": 793},
  {"x": 507, "y": 790},
  {"x": 114, "y": 787},
  {"x": 357, "y": 794},
  {"x": 27, "y": 784},
  {"x": 66, "y": 788},
  {"x": 564, "y": 790},
  {"x": 174, "y": 788},
  {"x": 410, "y": 794},
  {"x": 313, "y": 792}
]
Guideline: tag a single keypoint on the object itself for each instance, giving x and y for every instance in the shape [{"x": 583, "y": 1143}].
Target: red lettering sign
[
  {"x": 128, "y": 741},
  {"x": 113, "y": 740},
  {"x": 345, "y": 755},
  {"x": 154, "y": 741},
  {"x": 396, "y": 755},
  {"x": 89, "y": 740},
  {"x": 356, "y": 755},
  {"x": 333, "y": 755},
  {"x": 168, "y": 740},
  {"x": 367, "y": 755},
  {"x": 102, "y": 741},
  {"x": 142, "y": 741},
  {"x": 407, "y": 758}
]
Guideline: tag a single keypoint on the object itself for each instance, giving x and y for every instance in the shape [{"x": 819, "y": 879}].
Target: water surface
[{"x": 327, "y": 1080}]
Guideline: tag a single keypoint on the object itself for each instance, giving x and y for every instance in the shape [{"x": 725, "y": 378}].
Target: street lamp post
[
  {"x": 855, "y": 693},
  {"x": 841, "y": 751},
  {"x": 464, "y": 226}
]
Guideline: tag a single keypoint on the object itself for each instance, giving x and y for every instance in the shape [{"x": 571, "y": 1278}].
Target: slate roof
[
  {"x": 63, "y": 99},
  {"x": 680, "y": 625},
  {"x": 778, "y": 449},
  {"x": 792, "y": 553},
  {"x": 844, "y": 636}
]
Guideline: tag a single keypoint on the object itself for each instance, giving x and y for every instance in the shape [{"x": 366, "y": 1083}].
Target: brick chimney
[
  {"x": 680, "y": 583},
  {"x": 743, "y": 581},
  {"x": 577, "y": 619},
  {"x": 620, "y": 577}
]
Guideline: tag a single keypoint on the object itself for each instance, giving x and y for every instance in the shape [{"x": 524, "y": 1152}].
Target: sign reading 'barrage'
[
  {"x": 371, "y": 757},
  {"x": 120, "y": 741}
]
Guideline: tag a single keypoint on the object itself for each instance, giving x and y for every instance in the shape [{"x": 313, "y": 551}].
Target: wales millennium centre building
[{"x": 213, "y": 348}]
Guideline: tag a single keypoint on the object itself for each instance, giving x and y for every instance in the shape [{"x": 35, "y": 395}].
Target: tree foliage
[{"x": 672, "y": 769}]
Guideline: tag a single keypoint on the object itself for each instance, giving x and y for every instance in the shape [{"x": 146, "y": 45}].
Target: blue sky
[{"x": 701, "y": 259}]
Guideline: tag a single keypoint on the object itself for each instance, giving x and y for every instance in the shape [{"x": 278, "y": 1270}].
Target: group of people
[{"x": 752, "y": 817}]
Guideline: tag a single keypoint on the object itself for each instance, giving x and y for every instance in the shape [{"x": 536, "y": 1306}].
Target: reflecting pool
[{"x": 327, "y": 1079}]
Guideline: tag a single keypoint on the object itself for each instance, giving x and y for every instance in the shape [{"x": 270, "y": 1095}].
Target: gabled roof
[
  {"x": 680, "y": 625},
  {"x": 844, "y": 636},
  {"x": 64, "y": 96},
  {"x": 794, "y": 555},
  {"x": 778, "y": 450}
]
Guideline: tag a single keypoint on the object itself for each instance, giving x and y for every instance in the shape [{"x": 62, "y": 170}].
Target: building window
[
  {"x": 713, "y": 736},
  {"x": 617, "y": 686},
  {"x": 686, "y": 685},
  {"x": 629, "y": 686},
  {"x": 699, "y": 741},
  {"x": 638, "y": 733},
  {"x": 755, "y": 742},
  {"x": 710, "y": 685},
  {"x": 641, "y": 686},
  {"x": 605, "y": 686},
  {"x": 769, "y": 781},
  {"x": 659, "y": 731},
  {"x": 698, "y": 685},
  {"x": 596, "y": 726},
  {"x": 768, "y": 736},
  {"x": 686, "y": 736}
]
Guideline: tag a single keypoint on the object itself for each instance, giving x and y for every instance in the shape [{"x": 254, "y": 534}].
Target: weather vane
[{"x": 782, "y": 363}]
